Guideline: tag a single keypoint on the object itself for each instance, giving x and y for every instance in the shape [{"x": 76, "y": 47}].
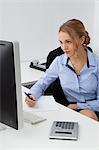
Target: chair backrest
[{"x": 52, "y": 55}]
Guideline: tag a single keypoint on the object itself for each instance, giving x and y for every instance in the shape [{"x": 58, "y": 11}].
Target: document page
[{"x": 44, "y": 103}]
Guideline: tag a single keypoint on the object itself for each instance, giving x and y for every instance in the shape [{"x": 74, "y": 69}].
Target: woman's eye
[{"x": 68, "y": 42}]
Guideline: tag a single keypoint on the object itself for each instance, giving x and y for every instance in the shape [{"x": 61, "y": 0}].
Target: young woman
[{"x": 77, "y": 69}]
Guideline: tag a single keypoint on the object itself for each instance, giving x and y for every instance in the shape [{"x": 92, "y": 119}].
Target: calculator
[{"x": 64, "y": 130}]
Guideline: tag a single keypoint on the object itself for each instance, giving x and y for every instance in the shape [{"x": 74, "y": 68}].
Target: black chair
[{"x": 55, "y": 88}]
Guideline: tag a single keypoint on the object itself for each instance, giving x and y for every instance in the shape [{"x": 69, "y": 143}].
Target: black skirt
[{"x": 97, "y": 114}]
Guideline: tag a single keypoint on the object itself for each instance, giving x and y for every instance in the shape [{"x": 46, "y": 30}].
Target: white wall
[
  {"x": 96, "y": 27},
  {"x": 35, "y": 23}
]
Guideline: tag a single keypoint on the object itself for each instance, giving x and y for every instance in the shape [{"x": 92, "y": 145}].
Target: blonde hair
[{"x": 75, "y": 27}]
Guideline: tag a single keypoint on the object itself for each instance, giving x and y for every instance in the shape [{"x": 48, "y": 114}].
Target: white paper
[{"x": 44, "y": 103}]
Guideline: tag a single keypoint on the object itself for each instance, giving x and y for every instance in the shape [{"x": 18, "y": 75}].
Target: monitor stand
[{"x": 2, "y": 127}]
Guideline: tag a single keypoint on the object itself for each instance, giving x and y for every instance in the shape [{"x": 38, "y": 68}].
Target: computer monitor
[{"x": 11, "y": 112}]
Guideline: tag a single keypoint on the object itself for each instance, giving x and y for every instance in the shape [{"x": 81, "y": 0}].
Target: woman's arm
[{"x": 50, "y": 75}]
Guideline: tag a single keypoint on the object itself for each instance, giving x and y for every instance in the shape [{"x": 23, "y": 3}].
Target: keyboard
[
  {"x": 64, "y": 130},
  {"x": 32, "y": 118}
]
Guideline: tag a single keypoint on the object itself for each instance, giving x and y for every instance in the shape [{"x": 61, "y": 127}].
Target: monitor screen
[{"x": 11, "y": 112}]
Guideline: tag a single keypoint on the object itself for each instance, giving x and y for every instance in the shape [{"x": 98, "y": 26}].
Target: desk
[
  {"x": 29, "y": 75},
  {"x": 36, "y": 137}
]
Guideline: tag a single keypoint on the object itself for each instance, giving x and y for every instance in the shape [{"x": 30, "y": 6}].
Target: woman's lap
[
  {"x": 78, "y": 110},
  {"x": 97, "y": 113}
]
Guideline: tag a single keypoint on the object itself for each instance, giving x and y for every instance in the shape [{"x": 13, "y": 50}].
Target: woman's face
[{"x": 67, "y": 44}]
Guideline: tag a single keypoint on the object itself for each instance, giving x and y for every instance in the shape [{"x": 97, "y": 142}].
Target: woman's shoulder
[
  {"x": 96, "y": 58},
  {"x": 93, "y": 54},
  {"x": 96, "y": 55}
]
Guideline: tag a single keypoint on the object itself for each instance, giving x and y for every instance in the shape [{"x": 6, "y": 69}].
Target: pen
[{"x": 28, "y": 95}]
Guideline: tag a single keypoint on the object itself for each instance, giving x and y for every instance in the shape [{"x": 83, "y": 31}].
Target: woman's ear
[{"x": 82, "y": 39}]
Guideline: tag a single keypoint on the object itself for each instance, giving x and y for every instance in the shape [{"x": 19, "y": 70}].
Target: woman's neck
[
  {"x": 79, "y": 61},
  {"x": 81, "y": 56}
]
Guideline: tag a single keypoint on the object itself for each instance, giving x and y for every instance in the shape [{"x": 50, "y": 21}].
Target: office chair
[{"x": 55, "y": 88}]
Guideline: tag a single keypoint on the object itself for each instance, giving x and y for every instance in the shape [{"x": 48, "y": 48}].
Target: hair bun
[{"x": 87, "y": 38}]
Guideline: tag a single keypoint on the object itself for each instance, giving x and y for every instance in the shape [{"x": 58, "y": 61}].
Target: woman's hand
[
  {"x": 72, "y": 106},
  {"x": 30, "y": 102}
]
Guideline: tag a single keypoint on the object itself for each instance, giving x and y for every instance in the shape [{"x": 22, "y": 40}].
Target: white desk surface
[
  {"x": 29, "y": 75},
  {"x": 36, "y": 137}
]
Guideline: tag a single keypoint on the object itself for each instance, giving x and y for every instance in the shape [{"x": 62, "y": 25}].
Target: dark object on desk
[{"x": 41, "y": 67}]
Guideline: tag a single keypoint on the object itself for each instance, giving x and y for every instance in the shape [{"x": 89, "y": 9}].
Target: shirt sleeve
[
  {"x": 50, "y": 75},
  {"x": 94, "y": 104}
]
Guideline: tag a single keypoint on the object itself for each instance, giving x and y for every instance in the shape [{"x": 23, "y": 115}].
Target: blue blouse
[{"x": 83, "y": 88}]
